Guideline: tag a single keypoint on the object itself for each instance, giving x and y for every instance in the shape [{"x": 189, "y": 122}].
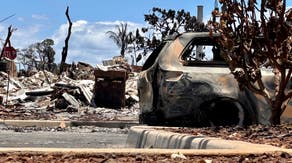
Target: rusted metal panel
[
  {"x": 136, "y": 68},
  {"x": 145, "y": 92},
  {"x": 109, "y": 88},
  {"x": 3, "y": 66},
  {"x": 190, "y": 89},
  {"x": 9, "y": 67},
  {"x": 176, "y": 89},
  {"x": 111, "y": 75}
]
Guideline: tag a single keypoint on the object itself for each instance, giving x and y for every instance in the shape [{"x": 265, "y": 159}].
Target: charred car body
[{"x": 186, "y": 80}]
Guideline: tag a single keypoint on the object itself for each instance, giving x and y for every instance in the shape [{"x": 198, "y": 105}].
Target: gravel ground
[
  {"x": 260, "y": 134},
  {"x": 79, "y": 129},
  {"x": 280, "y": 136},
  {"x": 109, "y": 158},
  {"x": 82, "y": 114}
]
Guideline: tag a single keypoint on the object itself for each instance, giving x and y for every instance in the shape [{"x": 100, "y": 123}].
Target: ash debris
[{"x": 82, "y": 92}]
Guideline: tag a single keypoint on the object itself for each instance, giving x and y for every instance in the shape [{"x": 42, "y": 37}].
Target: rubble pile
[
  {"x": 81, "y": 71},
  {"x": 38, "y": 80},
  {"x": 132, "y": 90},
  {"x": 70, "y": 96}
]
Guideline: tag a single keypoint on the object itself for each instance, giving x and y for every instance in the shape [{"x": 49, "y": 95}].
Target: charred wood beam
[{"x": 39, "y": 92}]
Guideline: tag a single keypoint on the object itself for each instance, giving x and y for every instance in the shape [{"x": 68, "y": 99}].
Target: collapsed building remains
[{"x": 82, "y": 88}]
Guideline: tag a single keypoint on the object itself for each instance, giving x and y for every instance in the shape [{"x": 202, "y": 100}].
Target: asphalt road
[{"x": 79, "y": 138}]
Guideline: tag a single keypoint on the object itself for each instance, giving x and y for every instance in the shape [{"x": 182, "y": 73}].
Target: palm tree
[{"x": 120, "y": 37}]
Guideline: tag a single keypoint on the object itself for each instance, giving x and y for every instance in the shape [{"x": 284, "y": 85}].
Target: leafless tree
[
  {"x": 65, "y": 48},
  {"x": 254, "y": 36}
]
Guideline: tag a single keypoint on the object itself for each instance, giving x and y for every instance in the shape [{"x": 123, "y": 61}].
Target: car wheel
[
  {"x": 151, "y": 118},
  {"x": 223, "y": 112}
]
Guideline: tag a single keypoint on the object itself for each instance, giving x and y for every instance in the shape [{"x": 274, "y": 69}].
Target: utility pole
[{"x": 199, "y": 49}]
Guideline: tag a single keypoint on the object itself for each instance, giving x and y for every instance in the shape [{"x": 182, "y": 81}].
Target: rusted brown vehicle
[{"x": 187, "y": 82}]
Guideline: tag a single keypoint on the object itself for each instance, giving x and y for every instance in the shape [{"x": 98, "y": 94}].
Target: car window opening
[{"x": 202, "y": 51}]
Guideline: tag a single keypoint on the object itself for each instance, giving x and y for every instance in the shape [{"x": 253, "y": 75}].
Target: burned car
[{"x": 186, "y": 81}]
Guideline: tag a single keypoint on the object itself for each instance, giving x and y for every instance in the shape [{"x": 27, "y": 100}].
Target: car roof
[
  {"x": 191, "y": 35},
  {"x": 199, "y": 34}
]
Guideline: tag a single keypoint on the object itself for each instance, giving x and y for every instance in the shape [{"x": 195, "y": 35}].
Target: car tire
[
  {"x": 150, "y": 118},
  {"x": 223, "y": 112}
]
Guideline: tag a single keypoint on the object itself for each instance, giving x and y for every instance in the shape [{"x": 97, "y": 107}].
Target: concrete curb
[
  {"x": 53, "y": 123},
  {"x": 148, "y": 137}
]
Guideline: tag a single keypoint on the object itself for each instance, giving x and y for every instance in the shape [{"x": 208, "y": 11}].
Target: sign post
[{"x": 9, "y": 52}]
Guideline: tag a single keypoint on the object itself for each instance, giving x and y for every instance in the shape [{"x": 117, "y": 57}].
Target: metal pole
[
  {"x": 7, "y": 93},
  {"x": 199, "y": 49}
]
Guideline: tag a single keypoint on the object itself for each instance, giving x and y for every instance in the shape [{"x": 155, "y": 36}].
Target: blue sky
[{"x": 37, "y": 20}]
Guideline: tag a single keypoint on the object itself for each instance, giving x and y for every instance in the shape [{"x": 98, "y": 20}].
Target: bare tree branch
[{"x": 249, "y": 44}]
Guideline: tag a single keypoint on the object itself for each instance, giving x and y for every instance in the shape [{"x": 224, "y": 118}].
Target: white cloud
[
  {"x": 39, "y": 17},
  {"x": 88, "y": 42},
  {"x": 3, "y": 29},
  {"x": 21, "y": 37},
  {"x": 21, "y": 19}
]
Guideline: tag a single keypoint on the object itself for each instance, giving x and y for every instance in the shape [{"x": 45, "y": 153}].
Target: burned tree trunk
[
  {"x": 65, "y": 48},
  {"x": 250, "y": 43}
]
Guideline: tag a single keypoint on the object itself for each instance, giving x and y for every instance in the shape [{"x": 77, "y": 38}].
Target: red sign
[{"x": 9, "y": 52}]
